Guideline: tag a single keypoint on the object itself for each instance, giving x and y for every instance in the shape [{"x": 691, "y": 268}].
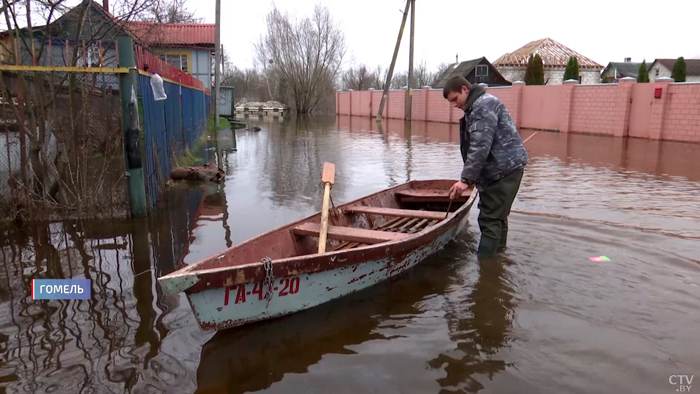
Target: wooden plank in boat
[
  {"x": 408, "y": 213},
  {"x": 429, "y": 195},
  {"x": 350, "y": 233}
]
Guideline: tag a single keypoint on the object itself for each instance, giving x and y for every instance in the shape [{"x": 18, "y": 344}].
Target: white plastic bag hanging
[{"x": 158, "y": 88}]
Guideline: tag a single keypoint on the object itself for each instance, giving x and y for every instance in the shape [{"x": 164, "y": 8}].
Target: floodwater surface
[{"x": 540, "y": 318}]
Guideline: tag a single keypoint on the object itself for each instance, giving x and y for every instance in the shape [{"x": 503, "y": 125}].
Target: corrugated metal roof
[
  {"x": 174, "y": 33},
  {"x": 551, "y": 52}
]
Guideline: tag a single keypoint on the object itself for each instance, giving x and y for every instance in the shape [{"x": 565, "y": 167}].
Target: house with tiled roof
[
  {"x": 555, "y": 57},
  {"x": 478, "y": 70},
  {"x": 615, "y": 71},
  {"x": 189, "y": 47},
  {"x": 664, "y": 67}
]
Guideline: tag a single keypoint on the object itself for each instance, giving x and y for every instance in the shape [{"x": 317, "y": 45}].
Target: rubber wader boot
[
  {"x": 504, "y": 236},
  {"x": 487, "y": 247}
]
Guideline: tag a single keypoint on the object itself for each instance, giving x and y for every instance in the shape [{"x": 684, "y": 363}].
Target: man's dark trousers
[{"x": 495, "y": 201}]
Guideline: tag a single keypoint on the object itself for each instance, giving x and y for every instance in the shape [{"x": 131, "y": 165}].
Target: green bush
[
  {"x": 571, "y": 71},
  {"x": 643, "y": 75},
  {"x": 534, "y": 74},
  {"x": 678, "y": 73}
]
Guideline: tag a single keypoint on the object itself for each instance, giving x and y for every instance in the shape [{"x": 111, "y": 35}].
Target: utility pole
[
  {"x": 390, "y": 74},
  {"x": 217, "y": 60},
  {"x": 409, "y": 99}
]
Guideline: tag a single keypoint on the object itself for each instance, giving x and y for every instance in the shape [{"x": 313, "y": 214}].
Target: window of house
[
  {"x": 656, "y": 72},
  {"x": 177, "y": 61},
  {"x": 482, "y": 70},
  {"x": 91, "y": 57}
]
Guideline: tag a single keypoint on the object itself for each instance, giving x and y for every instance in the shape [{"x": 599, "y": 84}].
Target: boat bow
[{"x": 171, "y": 284}]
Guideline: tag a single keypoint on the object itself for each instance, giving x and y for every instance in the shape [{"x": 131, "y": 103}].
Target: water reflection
[
  {"x": 452, "y": 325},
  {"x": 113, "y": 342},
  {"x": 479, "y": 324}
]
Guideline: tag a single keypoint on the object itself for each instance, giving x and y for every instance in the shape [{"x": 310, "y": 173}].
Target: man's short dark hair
[{"x": 454, "y": 85}]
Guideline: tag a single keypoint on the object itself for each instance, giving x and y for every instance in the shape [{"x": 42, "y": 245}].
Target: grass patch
[
  {"x": 224, "y": 124},
  {"x": 191, "y": 158}
]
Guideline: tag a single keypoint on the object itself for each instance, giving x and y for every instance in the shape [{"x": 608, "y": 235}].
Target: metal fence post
[{"x": 130, "y": 127}]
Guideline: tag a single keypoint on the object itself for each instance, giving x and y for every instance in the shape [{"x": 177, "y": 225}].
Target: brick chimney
[
  {"x": 457, "y": 58},
  {"x": 105, "y": 5},
  {"x": 627, "y": 59}
]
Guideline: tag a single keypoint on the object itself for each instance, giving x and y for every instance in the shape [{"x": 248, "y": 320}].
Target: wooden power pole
[
  {"x": 217, "y": 60},
  {"x": 409, "y": 99},
  {"x": 390, "y": 74}
]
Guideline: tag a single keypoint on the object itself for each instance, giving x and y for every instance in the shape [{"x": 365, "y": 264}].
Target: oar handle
[{"x": 328, "y": 178}]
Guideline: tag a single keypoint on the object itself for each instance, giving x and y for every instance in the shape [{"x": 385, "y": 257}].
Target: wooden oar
[
  {"x": 328, "y": 178},
  {"x": 528, "y": 138}
]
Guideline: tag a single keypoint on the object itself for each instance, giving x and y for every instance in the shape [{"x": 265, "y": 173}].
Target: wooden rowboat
[{"x": 369, "y": 240}]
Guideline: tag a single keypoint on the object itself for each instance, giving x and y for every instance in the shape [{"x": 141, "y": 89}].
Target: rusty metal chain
[{"x": 269, "y": 278}]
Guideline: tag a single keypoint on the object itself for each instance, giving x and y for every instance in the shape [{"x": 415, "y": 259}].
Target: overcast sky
[
  {"x": 603, "y": 31},
  {"x": 600, "y": 30}
]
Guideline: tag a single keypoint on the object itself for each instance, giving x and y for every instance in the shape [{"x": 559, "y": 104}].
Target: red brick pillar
[
  {"x": 350, "y": 93},
  {"x": 621, "y": 125},
  {"x": 426, "y": 96},
  {"x": 405, "y": 105},
  {"x": 517, "y": 106},
  {"x": 371, "y": 99},
  {"x": 567, "y": 101},
  {"x": 337, "y": 102},
  {"x": 658, "y": 109}
]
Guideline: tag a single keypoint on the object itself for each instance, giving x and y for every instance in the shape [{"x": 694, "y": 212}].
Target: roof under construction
[{"x": 553, "y": 54}]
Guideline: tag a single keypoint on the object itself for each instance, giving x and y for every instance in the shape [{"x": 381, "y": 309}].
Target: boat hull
[{"x": 225, "y": 307}]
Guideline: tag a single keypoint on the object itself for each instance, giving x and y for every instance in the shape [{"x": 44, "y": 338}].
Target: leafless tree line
[
  {"x": 361, "y": 77},
  {"x": 300, "y": 64}
]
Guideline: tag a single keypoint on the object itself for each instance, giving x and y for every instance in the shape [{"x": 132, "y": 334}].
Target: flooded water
[{"x": 541, "y": 318}]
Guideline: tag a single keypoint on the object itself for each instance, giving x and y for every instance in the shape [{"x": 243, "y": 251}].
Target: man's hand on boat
[{"x": 457, "y": 189}]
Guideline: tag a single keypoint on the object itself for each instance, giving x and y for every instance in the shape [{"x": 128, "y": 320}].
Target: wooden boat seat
[
  {"x": 429, "y": 195},
  {"x": 349, "y": 233},
  {"x": 406, "y": 213}
]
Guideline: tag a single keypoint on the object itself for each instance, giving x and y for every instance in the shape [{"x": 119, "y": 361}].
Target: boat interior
[{"x": 390, "y": 215}]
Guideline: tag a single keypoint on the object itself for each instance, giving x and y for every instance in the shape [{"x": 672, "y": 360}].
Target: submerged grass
[{"x": 194, "y": 156}]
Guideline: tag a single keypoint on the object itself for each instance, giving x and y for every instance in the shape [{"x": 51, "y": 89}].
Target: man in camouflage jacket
[{"x": 494, "y": 158}]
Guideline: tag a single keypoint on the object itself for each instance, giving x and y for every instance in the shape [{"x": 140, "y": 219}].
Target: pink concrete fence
[{"x": 661, "y": 110}]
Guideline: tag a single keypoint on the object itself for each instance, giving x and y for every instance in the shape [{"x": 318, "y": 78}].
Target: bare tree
[
  {"x": 357, "y": 78},
  {"x": 399, "y": 80},
  {"x": 442, "y": 67},
  {"x": 379, "y": 78},
  {"x": 170, "y": 11},
  {"x": 305, "y": 56},
  {"x": 249, "y": 84},
  {"x": 421, "y": 76}
]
